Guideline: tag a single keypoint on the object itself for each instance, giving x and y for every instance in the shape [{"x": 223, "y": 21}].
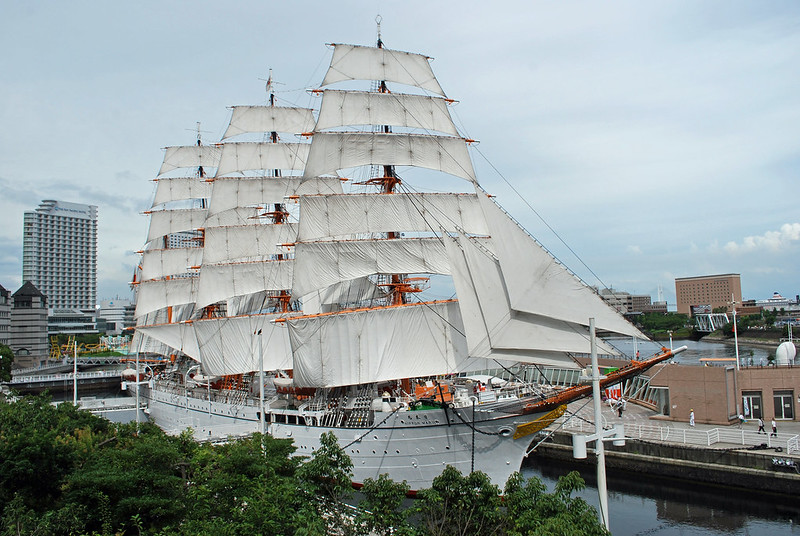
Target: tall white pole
[
  {"x": 261, "y": 417},
  {"x": 598, "y": 428},
  {"x": 137, "y": 388},
  {"x": 75, "y": 374},
  {"x": 735, "y": 332}
]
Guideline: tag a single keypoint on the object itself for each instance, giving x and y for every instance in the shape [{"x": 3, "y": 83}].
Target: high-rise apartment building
[
  {"x": 710, "y": 291},
  {"x": 59, "y": 253}
]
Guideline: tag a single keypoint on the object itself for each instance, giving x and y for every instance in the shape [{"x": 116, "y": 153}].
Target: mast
[{"x": 398, "y": 286}]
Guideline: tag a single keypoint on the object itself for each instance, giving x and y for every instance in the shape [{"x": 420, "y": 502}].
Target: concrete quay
[{"x": 711, "y": 454}]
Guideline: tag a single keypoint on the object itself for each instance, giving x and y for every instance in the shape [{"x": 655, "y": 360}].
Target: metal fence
[{"x": 693, "y": 436}]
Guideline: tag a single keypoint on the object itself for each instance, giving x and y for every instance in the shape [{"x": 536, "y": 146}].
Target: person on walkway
[
  {"x": 741, "y": 420},
  {"x": 691, "y": 417},
  {"x": 761, "y": 426},
  {"x": 774, "y": 428}
]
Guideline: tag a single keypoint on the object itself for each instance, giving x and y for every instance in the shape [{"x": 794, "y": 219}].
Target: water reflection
[{"x": 663, "y": 506}]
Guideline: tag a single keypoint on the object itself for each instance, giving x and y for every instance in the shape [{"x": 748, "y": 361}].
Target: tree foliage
[
  {"x": 655, "y": 322},
  {"x": 6, "y": 360},
  {"x": 65, "y": 471}
]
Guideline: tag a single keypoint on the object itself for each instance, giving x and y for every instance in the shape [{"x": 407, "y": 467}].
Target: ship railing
[
  {"x": 54, "y": 378},
  {"x": 690, "y": 436}
]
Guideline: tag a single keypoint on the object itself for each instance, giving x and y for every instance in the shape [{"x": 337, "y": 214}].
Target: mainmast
[{"x": 398, "y": 285}]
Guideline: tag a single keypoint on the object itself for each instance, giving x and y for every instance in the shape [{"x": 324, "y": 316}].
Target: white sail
[
  {"x": 321, "y": 264},
  {"x": 249, "y": 119},
  {"x": 221, "y": 281},
  {"x": 328, "y": 299},
  {"x": 164, "y": 222},
  {"x": 353, "y": 62},
  {"x": 340, "y": 215},
  {"x": 158, "y": 263},
  {"x": 539, "y": 284},
  {"x": 189, "y": 156},
  {"x": 179, "y": 188},
  {"x": 332, "y": 151},
  {"x": 247, "y": 156},
  {"x": 493, "y": 329},
  {"x": 234, "y": 216},
  {"x": 231, "y": 192},
  {"x": 343, "y": 108},
  {"x": 157, "y": 294},
  {"x": 223, "y": 244},
  {"x": 231, "y": 345},
  {"x": 372, "y": 345},
  {"x": 178, "y": 335}
]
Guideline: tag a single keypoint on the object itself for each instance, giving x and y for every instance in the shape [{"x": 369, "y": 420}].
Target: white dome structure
[{"x": 785, "y": 353}]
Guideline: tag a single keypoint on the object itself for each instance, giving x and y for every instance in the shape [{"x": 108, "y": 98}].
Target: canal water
[
  {"x": 666, "y": 507},
  {"x": 697, "y": 350}
]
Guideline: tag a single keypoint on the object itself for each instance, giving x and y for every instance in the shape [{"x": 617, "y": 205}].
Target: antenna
[{"x": 199, "y": 132}]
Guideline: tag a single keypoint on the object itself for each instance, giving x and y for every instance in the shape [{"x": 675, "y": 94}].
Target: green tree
[
  {"x": 40, "y": 444},
  {"x": 137, "y": 476},
  {"x": 326, "y": 481},
  {"x": 6, "y": 360},
  {"x": 382, "y": 511},
  {"x": 457, "y": 504},
  {"x": 243, "y": 487},
  {"x": 532, "y": 511}
]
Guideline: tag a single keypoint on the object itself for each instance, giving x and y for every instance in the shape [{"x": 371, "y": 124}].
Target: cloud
[{"x": 769, "y": 241}]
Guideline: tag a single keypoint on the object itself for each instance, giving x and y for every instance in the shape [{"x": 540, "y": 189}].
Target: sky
[{"x": 638, "y": 141}]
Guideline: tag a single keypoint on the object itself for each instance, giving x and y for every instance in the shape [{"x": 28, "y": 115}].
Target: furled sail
[
  {"x": 353, "y": 62},
  {"x": 247, "y": 156},
  {"x": 332, "y": 151},
  {"x": 340, "y": 215},
  {"x": 189, "y": 156},
  {"x": 252, "y": 119},
  {"x": 539, "y": 284},
  {"x": 232, "y": 192},
  {"x": 365, "y": 346},
  {"x": 344, "y": 108}
]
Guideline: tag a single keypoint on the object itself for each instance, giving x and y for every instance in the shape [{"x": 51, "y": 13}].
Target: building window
[{"x": 784, "y": 404}]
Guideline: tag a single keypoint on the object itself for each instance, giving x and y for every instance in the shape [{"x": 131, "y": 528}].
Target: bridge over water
[{"x": 710, "y": 321}]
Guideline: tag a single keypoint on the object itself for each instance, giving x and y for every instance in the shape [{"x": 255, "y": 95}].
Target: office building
[
  {"x": 59, "y": 253},
  {"x": 708, "y": 292}
]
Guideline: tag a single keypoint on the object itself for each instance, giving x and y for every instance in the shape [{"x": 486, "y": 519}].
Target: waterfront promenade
[
  {"x": 706, "y": 453},
  {"x": 640, "y": 424}
]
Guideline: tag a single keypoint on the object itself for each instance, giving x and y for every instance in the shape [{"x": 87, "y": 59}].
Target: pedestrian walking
[
  {"x": 761, "y": 426},
  {"x": 691, "y": 417},
  {"x": 774, "y": 428}
]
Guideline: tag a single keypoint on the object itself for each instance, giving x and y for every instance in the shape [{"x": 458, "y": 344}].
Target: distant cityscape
[{"x": 59, "y": 287}]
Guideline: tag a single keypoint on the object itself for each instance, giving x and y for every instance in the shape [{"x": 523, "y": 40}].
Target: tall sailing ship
[{"x": 289, "y": 283}]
